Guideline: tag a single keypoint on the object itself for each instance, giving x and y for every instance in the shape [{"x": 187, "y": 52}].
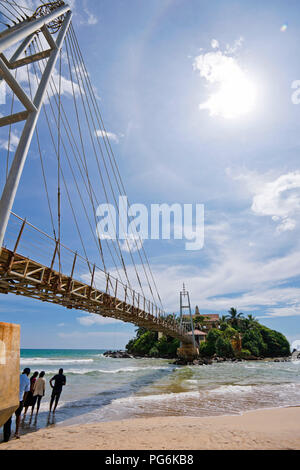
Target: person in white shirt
[
  {"x": 23, "y": 390},
  {"x": 39, "y": 392}
]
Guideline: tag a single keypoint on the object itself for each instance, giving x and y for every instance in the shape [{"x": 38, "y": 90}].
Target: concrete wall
[{"x": 9, "y": 370}]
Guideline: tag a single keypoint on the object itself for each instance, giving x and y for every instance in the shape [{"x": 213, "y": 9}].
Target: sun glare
[
  {"x": 234, "y": 92},
  {"x": 234, "y": 98}
]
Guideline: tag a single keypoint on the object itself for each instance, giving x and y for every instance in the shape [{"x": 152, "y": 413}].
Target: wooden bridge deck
[{"x": 23, "y": 276}]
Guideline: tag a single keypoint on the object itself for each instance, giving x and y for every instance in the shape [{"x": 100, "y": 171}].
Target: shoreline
[{"x": 265, "y": 429}]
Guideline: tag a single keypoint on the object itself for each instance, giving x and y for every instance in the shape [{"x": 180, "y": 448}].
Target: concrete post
[{"x": 9, "y": 370}]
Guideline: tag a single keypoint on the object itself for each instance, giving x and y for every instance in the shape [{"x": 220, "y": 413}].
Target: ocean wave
[
  {"x": 158, "y": 397},
  {"x": 85, "y": 371},
  {"x": 232, "y": 389},
  {"x": 45, "y": 361},
  {"x": 133, "y": 369}
]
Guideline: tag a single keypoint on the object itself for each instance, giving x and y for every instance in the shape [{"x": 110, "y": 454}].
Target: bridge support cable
[
  {"x": 77, "y": 157},
  {"x": 72, "y": 142},
  {"x": 93, "y": 136},
  {"x": 138, "y": 243},
  {"x": 69, "y": 131},
  {"x": 9, "y": 39},
  {"x": 83, "y": 80},
  {"x": 71, "y": 148}
]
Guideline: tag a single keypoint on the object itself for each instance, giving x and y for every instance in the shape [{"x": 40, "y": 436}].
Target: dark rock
[
  {"x": 117, "y": 354},
  {"x": 207, "y": 361}
]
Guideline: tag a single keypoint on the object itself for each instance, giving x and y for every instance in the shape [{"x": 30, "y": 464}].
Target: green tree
[
  {"x": 143, "y": 343},
  {"x": 253, "y": 341},
  {"x": 209, "y": 347},
  {"x": 224, "y": 348},
  {"x": 276, "y": 343},
  {"x": 234, "y": 317},
  {"x": 167, "y": 346}
]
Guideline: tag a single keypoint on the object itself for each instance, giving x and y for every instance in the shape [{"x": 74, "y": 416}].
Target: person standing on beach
[
  {"x": 23, "y": 391},
  {"x": 59, "y": 382},
  {"x": 29, "y": 399},
  {"x": 39, "y": 392}
]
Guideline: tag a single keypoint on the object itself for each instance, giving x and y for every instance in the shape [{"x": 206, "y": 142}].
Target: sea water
[{"x": 105, "y": 389}]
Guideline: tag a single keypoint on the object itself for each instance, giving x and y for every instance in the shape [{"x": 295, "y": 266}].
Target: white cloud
[
  {"x": 235, "y": 94},
  {"x": 93, "y": 319},
  {"x": 109, "y": 135},
  {"x": 236, "y": 45},
  {"x": 275, "y": 196},
  {"x": 215, "y": 44},
  {"x": 12, "y": 143},
  {"x": 91, "y": 18},
  {"x": 280, "y": 199},
  {"x": 233, "y": 278}
]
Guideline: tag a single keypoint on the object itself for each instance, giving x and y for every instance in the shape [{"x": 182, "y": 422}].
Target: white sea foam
[
  {"x": 133, "y": 369},
  {"x": 83, "y": 371},
  {"x": 44, "y": 361},
  {"x": 158, "y": 397},
  {"x": 232, "y": 389}
]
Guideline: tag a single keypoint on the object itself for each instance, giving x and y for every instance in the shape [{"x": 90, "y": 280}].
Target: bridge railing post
[
  {"x": 16, "y": 246},
  {"x": 116, "y": 289},
  {"x": 107, "y": 284},
  {"x": 73, "y": 266},
  {"x": 125, "y": 300},
  {"x": 93, "y": 276}
]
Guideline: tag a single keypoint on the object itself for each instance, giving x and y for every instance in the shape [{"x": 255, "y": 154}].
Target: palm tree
[
  {"x": 234, "y": 317},
  {"x": 199, "y": 321},
  {"x": 251, "y": 318}
]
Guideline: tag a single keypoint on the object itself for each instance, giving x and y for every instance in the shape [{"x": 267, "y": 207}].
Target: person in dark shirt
[{"x": 59, "y": 381}]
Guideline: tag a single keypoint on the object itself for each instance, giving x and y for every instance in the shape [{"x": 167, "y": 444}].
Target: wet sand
[{"x": 264, "y": 429}]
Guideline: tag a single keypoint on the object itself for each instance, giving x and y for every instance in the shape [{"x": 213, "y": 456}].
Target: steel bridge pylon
[
  {"x": 25, "y": 32},
  {"x": 187, "y": 350}
]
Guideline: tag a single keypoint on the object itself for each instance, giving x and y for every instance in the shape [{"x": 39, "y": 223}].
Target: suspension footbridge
[{"x": 53, "y": 118}]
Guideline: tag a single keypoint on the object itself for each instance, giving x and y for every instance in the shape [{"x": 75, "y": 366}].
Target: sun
[
  {"x": 234, "y": 91},
  {"x": 235, "y": 97}
]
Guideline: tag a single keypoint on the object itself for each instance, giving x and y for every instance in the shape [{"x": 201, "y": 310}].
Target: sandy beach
[{"x": 264, "y": 429}]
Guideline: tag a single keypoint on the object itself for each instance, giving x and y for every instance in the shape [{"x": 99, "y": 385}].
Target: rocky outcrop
[{"x": 118, "y": 354}]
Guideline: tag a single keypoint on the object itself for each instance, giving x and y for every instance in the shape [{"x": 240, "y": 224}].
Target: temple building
[{"x": 206, "y": 320}]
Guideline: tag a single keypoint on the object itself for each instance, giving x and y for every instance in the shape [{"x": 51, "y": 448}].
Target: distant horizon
[{"x": 64, "y": 349}]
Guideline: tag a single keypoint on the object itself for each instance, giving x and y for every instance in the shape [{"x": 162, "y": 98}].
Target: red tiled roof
[
  {"x": 197, "y": 333},
  {"x": 210, "y": 316}
]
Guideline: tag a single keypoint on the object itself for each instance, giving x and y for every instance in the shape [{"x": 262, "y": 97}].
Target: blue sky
[{"x": 148, "y": 62}]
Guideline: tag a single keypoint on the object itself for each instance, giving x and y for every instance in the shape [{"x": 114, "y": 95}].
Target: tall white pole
[{"x": 12, "y": 183}]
